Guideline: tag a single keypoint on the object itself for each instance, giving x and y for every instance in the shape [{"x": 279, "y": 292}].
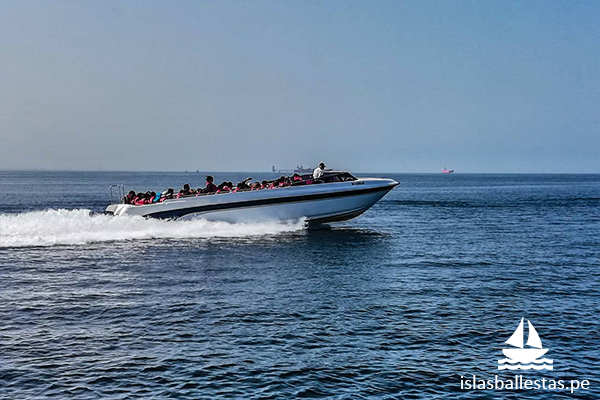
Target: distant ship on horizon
[
  {"x": 300, "y": 169},
  {"x": 447, "y": 171}
]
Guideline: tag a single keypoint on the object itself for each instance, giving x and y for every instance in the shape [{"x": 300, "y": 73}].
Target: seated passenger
[
  {"x": 284, "y": 181},
  {"x": 166, "y": 195},
  {"x": 210, "y": 186},
  {"x": 129, "y": 198},
  {"x": 186, "y": 190},
  {"x": 245, "y": 184},
  {"x": 296, "y": 178},
  {"x": 140, "y": 199},
  {"x": 147, "y": 197},
  {"x": 223, "y": 186}
]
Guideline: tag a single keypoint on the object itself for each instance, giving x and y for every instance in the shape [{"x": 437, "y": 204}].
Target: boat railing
[{"x": 120, "y": 193}]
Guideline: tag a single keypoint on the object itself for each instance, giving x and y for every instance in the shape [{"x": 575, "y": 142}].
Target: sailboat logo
[{"x": 525, "y": 358}]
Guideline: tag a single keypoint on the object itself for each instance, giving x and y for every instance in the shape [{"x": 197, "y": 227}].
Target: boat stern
[{"x": 119, "y": 209}]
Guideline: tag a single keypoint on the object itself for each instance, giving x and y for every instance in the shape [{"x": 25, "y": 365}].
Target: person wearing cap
[
  {"x": 210, "y": 186},
  {"x": 318, "y": 172}
]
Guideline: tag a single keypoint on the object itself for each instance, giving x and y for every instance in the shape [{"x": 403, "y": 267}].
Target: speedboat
[{"x": 336, "y": 196}]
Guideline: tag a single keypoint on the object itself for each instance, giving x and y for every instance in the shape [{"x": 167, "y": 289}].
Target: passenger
[
  {"x": 256, "y": 186},
  {"x": 129, "y": 198},
  {"x": 186, "y": 190},
  {"x": 245, "y": 184},
  {"x": 318, "y": 172},
  {"x": 296, "y": 178},
  {"x": 152, "y": 198},
  {"x": 147, "y": 197},
  {"x": 139, "y": 199},
  {"x": 264, "y": 184},
  {"x": 283, "y": 181},
  {"x": 166, "y": 195},
  {"x": 210, "y": 186}
]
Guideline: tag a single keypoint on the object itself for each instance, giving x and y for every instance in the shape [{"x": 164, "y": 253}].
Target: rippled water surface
[{"x": 400, "y": 303}]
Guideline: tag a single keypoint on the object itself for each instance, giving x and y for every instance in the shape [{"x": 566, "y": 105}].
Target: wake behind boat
[{"x": 335, "y": 196}]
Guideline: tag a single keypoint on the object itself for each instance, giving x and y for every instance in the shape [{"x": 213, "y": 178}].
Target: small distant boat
[{"x": 447, "y": 171}]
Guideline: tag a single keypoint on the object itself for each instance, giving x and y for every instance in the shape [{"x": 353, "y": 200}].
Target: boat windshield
[{"x": 337, "y": 176}]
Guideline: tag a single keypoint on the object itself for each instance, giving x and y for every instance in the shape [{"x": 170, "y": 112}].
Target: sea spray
[{"x": 71, "y": 227}]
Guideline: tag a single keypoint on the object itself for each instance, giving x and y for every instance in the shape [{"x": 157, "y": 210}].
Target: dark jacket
[{"x": 210, "y": 188}]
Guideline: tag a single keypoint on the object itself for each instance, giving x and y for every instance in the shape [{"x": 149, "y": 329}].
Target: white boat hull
[{"x": 318, "y": 203}]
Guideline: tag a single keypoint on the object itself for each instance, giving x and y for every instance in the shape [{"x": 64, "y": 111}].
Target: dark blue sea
[{"x": 400, "y": 303}]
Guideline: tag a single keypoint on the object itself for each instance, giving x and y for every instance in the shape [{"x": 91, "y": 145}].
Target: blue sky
[{"x": 372, "y": 86}]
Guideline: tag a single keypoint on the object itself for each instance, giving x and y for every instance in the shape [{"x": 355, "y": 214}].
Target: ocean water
[{"x": 400, "y": 303}]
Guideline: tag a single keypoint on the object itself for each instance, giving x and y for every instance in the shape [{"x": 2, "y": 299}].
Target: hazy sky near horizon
[{"x": 388, "y": 86}]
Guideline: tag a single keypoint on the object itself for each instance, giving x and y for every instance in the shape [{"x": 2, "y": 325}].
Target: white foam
[{"x": 52, "y": 227}]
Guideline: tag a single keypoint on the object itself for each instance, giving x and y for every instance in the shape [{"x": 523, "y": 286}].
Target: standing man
[{"x": 318, "y": 172}]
